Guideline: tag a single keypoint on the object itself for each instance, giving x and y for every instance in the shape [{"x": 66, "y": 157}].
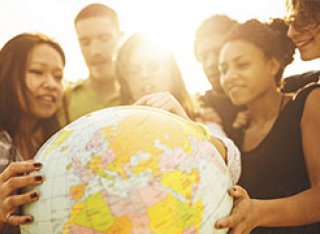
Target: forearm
[{"x": 300, "y": 209}]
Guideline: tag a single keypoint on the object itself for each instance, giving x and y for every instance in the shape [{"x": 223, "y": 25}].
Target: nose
[
  {"x": 228, "y": 76},
  {"x": 94, "y": 48},
  {"x": 292, "y": 32},
  {"x": 51, "y": 82},
  {"x": 210, "y": 61}
]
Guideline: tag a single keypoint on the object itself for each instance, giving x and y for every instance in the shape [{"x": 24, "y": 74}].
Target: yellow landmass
[
  {"x": 135, "y": 135},
  {"x": 92, "y": 213},
  {"x": 95, "y": 165},
  {"x": 60, "y": 138},
  {"x": 181, "y": 182},
  {"x": 173, "y": 216},
  {"x": 77, "y": 191},
  {"x": 121, "y": 225}
]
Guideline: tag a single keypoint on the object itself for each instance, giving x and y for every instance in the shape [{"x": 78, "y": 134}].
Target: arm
[
  {"x": 165, "y": 101},
  {"x": 300, "y": 209}
]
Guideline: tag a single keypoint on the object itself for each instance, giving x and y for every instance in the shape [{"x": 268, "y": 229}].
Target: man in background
[
  {"x": 209, "y": 39},
  {"x": 98, "y": 32}
]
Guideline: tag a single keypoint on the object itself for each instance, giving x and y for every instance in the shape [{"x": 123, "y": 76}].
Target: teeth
[{"x": 47, "y": 98}]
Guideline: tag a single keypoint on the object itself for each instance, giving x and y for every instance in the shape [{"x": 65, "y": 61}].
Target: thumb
[{"x": 238, "y": 192}]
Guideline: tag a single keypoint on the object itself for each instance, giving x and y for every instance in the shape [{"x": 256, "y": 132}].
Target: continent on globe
[{"x": 130, "y": 170}]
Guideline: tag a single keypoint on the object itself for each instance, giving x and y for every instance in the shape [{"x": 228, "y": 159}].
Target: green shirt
[{"x": 81, "y": 99}]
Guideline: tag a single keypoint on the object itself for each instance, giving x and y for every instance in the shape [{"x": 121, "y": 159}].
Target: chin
[
  {"x": 310, "y": 54},
  {"x": 45, "y": 114},
  {"x": 237, "y": 101}
]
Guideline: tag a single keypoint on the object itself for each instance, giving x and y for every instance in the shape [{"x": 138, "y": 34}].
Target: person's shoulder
[
  {"x": 295, "y": 83},
  {"x": 5, "y": 148},
  {"x": 72, "y": 87},
  {"x": 306, "y": 90},
  {"x": 5, "y": 138}
]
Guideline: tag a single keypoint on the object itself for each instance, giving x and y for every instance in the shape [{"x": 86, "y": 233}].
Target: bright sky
[{"x": 172, "y": 21}]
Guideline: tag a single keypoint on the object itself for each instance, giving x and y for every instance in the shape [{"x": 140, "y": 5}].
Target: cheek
[{"x": 32, "y": 84}]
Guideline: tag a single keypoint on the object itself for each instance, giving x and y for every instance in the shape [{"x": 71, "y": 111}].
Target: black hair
[
  {"x": 271, "y": 38},
  {"x": 215, "y": 24}
]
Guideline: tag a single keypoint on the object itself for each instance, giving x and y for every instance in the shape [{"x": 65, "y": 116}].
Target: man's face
[
  {"x": 207, "y": 52},
  {"x": 98, "y": 37}
]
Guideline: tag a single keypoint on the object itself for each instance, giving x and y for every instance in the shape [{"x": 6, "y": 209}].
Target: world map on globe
[{"x": 130, "y": 170}]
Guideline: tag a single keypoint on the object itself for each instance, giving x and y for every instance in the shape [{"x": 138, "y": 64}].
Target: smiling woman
[{"x": 31, "y": 91}]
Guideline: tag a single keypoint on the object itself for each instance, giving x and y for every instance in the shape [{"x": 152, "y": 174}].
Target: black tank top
[{"x": 276, "y": 167}]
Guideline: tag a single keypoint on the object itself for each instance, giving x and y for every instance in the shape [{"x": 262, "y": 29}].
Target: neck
[
  {"x": 102, "y": 87},
  {"x": 266, "y": 107},
  {"x": 219, "y": 93}
]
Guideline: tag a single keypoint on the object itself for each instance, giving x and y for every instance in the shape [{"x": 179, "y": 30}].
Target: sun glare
[
  {"x": 171, "y": 22},
  {"x": 174, "y": 22}
]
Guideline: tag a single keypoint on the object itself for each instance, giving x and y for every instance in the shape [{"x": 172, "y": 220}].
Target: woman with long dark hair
[{"x": 31, "y": 91}]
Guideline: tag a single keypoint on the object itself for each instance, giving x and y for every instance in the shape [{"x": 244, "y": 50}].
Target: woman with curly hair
[{"x": 279, "y": 149}]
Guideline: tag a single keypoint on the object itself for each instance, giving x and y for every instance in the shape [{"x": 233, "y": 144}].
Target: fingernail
[
  {"x": 37, "y": 165},
  {"x": 28, "y": 220},
  {"x": 38, "y": 178},
  {"x": 34, "y": 195}
]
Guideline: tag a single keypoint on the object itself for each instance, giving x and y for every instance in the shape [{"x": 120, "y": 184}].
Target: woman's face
[
  {"x": 44, "y": 74},
  {"x": 148, "y": 71},
  {"x": 306, "y": 37},
  {"x": 246, "y": 74}
]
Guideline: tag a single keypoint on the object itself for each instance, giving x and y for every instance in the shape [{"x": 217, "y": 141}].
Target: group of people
[{"x": 276, "y": 131}]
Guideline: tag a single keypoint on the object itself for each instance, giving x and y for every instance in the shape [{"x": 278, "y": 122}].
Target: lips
[
  {"x": 99, "y": 62},
  {"x": 47, "y": 99},
  {"x": 302, "y": 43},
  {"x": 235, "y": 88}
]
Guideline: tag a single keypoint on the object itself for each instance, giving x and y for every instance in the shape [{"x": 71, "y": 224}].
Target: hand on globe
[
  {"x": 242, "y": 119},
  {"x": 244, "y": 215},
  {"x": 208, "y": 115},
  {"x": 13, "y": 178},
  {"x": 165, "y": 101}
]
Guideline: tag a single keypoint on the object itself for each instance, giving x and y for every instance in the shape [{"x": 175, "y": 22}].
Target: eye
[
  {"x": 36, "y": 72},
  {"x": 84, "y": 42},
  {"x": 58, "y": 76},
  {"x": 105, "y": 38},
  {"x": 243, "y": 65},
  {"x": 223, "y": 69}
]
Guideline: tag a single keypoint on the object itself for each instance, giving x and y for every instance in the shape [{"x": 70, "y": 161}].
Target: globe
[{"x": 128, "y": 170}]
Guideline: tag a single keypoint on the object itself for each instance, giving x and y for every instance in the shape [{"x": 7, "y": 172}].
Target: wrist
[{"x": 259, "y": 213}]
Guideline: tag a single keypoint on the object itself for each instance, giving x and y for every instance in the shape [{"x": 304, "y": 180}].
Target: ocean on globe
[{"x": 130, "y": 170}]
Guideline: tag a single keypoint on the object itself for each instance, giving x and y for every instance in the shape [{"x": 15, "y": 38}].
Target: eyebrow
[
  {"x": 43, "y": 65},
  {"x": 237, "y": 58}
]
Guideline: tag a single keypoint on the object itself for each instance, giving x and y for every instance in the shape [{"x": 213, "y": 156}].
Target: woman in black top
[{"x": 280, "y": 149}]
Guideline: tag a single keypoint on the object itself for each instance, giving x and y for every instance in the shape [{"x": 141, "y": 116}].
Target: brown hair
[
  {"x": 216, "y": 24},
  {"x": 97, "y": 10},
  {"x": 13, "y": 63},
  {"x": 271, "y": 38},
  {"x": 178, "y": 89},
  {"x": 303, "y": 13}
]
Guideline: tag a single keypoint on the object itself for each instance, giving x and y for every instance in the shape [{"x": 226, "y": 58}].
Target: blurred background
[{"x": 172, "y": 22}]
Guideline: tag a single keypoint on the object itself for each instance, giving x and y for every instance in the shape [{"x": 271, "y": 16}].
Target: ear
[{"x": 274, "y": 66}]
